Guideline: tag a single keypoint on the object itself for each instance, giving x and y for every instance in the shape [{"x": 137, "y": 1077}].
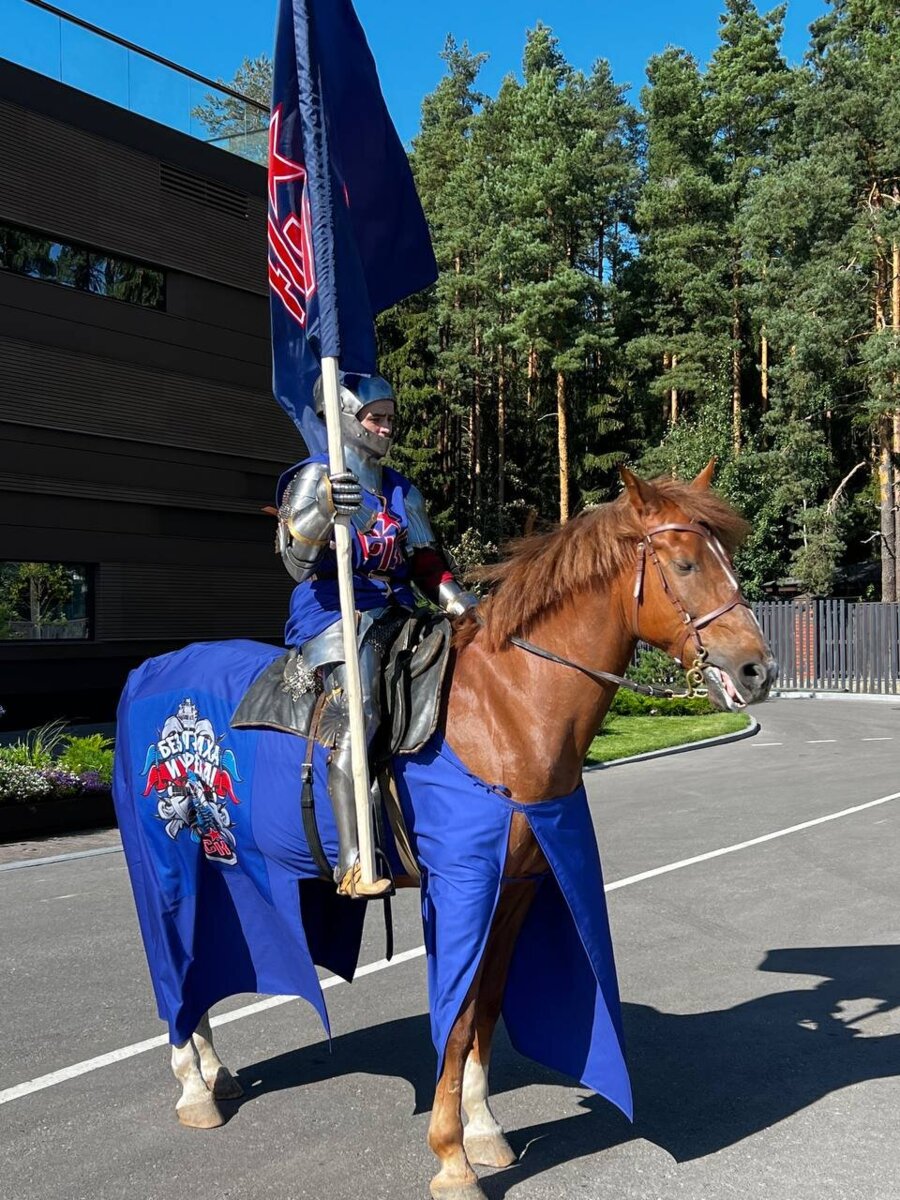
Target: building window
[
  {"x": 41, "y": 601},
  {"x": 41, "y": 257}
]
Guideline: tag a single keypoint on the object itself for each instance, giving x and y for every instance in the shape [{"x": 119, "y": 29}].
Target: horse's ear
[
  {"x": 642, "y": 494},
  {"x": 704, "y": 479}
]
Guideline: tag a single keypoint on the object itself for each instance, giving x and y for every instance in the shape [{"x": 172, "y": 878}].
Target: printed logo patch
[{"x": 193, "y": 777}]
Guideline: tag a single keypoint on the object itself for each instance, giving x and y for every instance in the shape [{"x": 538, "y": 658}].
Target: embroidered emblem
[{"x": 193, "y": 777}]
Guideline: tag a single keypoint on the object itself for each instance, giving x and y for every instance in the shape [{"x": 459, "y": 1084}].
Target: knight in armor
[{"x": 393, "y": 547}]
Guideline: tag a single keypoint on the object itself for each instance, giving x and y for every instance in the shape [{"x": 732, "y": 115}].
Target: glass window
[
  {"x": 40, "y": 257},
  {"x": 41, "y": 601}
]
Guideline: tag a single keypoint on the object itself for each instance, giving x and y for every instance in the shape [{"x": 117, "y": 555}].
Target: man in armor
[{"x": 393, "y": 546}]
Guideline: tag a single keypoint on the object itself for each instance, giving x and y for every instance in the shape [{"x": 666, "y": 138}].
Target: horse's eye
[{"x": 684, "y": 566}]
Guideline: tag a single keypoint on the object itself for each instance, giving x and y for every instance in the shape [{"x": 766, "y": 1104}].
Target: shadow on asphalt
[{"x": 703, "y": 1081}]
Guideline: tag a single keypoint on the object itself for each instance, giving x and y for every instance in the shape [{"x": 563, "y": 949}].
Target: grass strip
[{"x": 621, "y": 737}]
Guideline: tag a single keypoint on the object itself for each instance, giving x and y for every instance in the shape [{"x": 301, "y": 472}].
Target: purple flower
[{"x": 62, "y": 783}]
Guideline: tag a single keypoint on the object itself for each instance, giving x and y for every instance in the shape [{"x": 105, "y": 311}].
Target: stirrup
[{"x": 352, "y": 885}]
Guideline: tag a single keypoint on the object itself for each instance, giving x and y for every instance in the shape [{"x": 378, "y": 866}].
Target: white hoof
[
  {"x": 203, "y": 1114},
  {"x": 455, "y": 1191},
  {"x": 225, "y": 1086},
  {"x": 489, "y": 1150}
]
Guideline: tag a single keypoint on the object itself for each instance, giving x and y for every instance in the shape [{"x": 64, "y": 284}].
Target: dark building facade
[{"x": 138, "y": 435}]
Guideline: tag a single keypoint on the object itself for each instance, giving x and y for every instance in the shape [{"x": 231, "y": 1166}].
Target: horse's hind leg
[
  {"x": 196, "y": 1106},
  {"x": 216, "y": 1075}
]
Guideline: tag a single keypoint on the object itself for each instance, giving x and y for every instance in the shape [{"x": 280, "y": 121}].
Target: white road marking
[
  {"x": 237, "y": 1014},
  {"x": 760, "y": 745},
  {"x": 67, "y": 896},
  {"x": 878, "y": 739},
  {"x": 819, "y": 741},
  {"x": 766, "y": 837},
  {"x": 126, "y": 1052}
]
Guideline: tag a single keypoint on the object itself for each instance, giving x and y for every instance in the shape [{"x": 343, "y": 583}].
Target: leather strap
[
  {"x": 307, "y": 800},
  {"x": 693, "y": 625},
  {"x": 645, "y": 689}
]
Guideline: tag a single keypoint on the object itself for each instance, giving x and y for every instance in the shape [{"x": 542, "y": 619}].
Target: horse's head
[{"x": 687, "y": 600}]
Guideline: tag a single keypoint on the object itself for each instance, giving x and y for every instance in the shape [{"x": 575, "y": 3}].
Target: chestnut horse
[{"x": 654, "y": 565}]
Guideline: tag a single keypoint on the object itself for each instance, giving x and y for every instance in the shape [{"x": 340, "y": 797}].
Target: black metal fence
[{"x": 834, "y": 645}]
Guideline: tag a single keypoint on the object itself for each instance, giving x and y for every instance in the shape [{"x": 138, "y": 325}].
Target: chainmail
[{"x": 299, "y": 680}]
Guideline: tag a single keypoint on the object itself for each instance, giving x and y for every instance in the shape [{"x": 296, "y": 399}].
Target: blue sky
[{"x": 212, "y": 36}]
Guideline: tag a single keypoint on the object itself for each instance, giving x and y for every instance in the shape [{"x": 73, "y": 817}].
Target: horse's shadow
[{"x": 703, "y": 1081}]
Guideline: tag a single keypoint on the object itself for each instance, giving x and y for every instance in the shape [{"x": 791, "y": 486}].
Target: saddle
[{"x": 287, "y": 695}]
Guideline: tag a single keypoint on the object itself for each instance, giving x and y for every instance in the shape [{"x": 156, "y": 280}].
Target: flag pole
[{"x": 359, "y": 754}]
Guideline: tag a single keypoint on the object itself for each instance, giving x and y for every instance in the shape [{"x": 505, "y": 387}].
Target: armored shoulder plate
[{"x": 305, "y": 520}]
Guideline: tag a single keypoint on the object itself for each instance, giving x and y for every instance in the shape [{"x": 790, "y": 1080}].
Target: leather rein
[{"x": 696, "y": 673}]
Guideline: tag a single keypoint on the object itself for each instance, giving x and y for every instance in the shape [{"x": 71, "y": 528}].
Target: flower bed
[{"x": 52, "y": 781}]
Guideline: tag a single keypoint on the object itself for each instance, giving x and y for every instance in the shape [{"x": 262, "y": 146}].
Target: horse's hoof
[
  {"x": 205, "y": 1114},
  {"x": 455, "y": 1191},
  {"x": 225, "y": 1086},
  {"x": 489, "y": 1150}
]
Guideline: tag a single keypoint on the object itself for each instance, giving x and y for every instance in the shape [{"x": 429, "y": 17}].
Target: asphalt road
[{"x": 761, "y": 992}]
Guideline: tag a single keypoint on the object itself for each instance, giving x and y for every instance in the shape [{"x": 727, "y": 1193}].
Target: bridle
[{"x": 692, "y": 625}]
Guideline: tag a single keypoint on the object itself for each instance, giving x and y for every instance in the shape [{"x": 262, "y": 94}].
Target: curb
[
  {"x": 43, "y": 862},
  {"x": 877, "y": 697},
  {"x": 738, "y": 736}
]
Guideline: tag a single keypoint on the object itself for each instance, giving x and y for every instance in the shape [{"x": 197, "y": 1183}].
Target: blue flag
[{"x": 347, "y": 235}]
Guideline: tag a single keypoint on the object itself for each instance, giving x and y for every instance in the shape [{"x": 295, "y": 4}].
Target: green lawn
[{"x": 624, "y": 736}]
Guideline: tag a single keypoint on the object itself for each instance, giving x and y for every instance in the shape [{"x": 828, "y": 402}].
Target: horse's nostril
[{"x": 753, "y": 672}]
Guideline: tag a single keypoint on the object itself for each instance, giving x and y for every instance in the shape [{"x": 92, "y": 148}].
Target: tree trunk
[
  {"x": 673, "y": 396},
  {"x": 476, "y": 431},
  {"x": 563, "y": 441},
  {"x": 532, "y": 374},
  {"x": 667, "y": 366},
  {"x": 736, "y": 399},
  {"x": 886, "y": 488},
  {"x": 764, "y": 372},
  {"x": 501, "y": 435},
  {"x": 895, "y": 416},
  {"x": 34, "y": 604}
]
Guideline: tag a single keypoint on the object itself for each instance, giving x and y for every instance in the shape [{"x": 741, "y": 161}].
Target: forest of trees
[{"x": 716, "y": 272}]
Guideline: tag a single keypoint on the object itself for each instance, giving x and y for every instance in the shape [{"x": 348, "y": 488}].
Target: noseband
[{"x": 693, "y": 625}]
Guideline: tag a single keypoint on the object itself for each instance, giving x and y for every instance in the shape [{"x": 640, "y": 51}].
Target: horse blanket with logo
[{"x": 213, "y": 836}]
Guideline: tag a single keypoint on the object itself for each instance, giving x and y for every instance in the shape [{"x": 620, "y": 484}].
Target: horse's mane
[{"x": 539, "y": 571}]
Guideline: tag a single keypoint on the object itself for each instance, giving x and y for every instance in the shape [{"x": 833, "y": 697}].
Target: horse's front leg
[
  {"x": 485, "y": 1142},
  {"x": 216, "y": 1075},
  {"x": 456, "y": 1180}
]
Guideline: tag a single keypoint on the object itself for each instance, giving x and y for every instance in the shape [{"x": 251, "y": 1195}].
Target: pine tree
[
  {"x": 825, "y": 228},
  {"x": 748, "y": 103},
  {"x": 681, "y": 283}
]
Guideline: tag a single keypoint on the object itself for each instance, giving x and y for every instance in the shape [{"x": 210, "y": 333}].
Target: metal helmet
[{"x": 357, "y": 393}]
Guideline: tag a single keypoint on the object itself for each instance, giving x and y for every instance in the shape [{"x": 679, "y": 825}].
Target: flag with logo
[{"x": 347, "y": 235}]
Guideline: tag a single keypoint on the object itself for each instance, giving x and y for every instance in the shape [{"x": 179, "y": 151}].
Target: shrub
[
  {"x": 655, "y": 666},
  {"x": 88, "y": 755},
  {"x": 39, "y": 747},
  {"x": 633, "y": 704},
  {"x": 20, "y": 783},
  {"x": 35, "y": 769}
]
